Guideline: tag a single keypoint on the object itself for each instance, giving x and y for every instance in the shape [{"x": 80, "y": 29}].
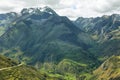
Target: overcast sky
[{"x": 70, "y": 8}]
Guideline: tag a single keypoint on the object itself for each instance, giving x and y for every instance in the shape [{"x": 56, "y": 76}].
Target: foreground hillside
[
  {"x": 20, "y": 72},
  {"x": 10, "y": 70},
  {"x": 109, "y": 70},
  {"x": 65, "y": 70}
]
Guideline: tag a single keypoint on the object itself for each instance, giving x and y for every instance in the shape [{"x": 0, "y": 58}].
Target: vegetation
[{"x": 109, "y": 70}]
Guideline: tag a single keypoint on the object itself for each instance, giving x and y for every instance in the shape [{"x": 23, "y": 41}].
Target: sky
[{"x": 70, "y": 8}]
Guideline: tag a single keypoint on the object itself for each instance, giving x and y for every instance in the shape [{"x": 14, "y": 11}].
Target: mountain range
[
  {"x": 105, "y": 31},
  {"x": 56, "y": 48}
]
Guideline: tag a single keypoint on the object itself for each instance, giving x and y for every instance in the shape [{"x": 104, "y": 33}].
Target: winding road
[{"x": 10, "y": 67}]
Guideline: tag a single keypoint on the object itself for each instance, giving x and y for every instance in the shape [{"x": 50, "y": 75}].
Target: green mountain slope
[
  {"x": 69, "y": 66},
  {"x": 68, "y": 69}
]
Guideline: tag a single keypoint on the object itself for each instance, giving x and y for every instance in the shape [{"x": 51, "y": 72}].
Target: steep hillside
[
  {"x": 109, "y": 70},
  {"x": 40, "y": 35}
]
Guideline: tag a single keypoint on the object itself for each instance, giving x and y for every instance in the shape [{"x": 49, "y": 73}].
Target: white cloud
[
  {"x": 70, "y": 8},
  {"x": 8, "y": 5},
  {"x": 107, "y": 6},
  {"x": 51, "y": 2}
]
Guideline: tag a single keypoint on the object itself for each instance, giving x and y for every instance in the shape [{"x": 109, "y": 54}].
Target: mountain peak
[
  {"x": 38, "y": 10},
  {"x": 49, "y": 10}
]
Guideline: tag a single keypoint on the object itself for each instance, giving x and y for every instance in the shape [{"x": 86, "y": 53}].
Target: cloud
[
  {"x": 70, "y": 8},
  {"x": 105, "y": 6},
  {"x": 8, "y": 5},
  {"x": 51, "y": 2}
]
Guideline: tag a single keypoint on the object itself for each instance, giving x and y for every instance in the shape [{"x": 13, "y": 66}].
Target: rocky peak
[{"x": 38, "y": 11}]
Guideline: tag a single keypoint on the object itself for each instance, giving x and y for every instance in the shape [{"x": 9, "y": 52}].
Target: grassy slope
[{"x": 109, "y": 70}]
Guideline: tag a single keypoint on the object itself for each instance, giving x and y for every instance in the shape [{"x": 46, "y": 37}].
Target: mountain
[
  {"x": 101, "y": 28},
  {"x": 40, "y": 35}
]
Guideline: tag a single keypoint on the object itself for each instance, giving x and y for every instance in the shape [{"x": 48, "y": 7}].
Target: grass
[
  {"x": 86, "y": 76},
  {"x": 2, "y": 30}
]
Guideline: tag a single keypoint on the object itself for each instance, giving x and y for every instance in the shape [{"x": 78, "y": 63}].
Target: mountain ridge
[{"x": 105, "y": 32}]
